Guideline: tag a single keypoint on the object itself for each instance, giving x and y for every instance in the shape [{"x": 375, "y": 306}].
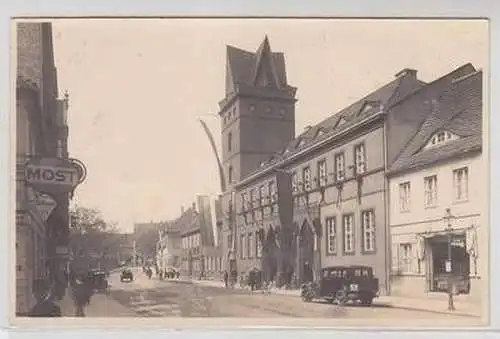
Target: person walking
[
  {"x": 82, "y": 291},
  {"x": 226, "y": 278}
]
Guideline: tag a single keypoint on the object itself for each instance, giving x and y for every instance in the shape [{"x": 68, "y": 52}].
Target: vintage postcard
[{"x": 193, "y": 172}]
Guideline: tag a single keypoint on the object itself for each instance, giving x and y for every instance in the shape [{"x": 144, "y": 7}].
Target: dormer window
[
  {"x": 439, "y": 138},
  {"x": 340, "y": 122},
  {"x": 319, "y": 133},
  {"x": 301, "y": 143}
]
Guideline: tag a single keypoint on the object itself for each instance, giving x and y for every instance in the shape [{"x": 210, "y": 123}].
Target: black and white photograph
[{"x": 271, "y": 171}]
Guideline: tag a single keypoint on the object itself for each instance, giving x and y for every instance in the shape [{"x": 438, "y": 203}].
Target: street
[{"x": 155, "y": 298}]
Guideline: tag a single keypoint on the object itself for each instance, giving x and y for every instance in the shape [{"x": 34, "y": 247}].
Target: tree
[
  {"x": 92, "y": 239},
  {"x": 86, "y": 220}
]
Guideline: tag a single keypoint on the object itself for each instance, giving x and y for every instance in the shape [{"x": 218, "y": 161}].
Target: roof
[
  {"x": 187, "y": 222},
  {"x": 457, "y": 110},
  {"x": 366, "y": 107},
  {"x": 243, "y": 66}
]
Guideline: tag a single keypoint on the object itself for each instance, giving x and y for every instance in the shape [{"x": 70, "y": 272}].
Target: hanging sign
[{"x": 54, "y": 175}]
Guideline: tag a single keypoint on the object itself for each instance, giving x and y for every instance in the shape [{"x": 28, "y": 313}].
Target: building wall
[
  {"x": 406, "y": 225},
  {"x": 372, "y": 197}
]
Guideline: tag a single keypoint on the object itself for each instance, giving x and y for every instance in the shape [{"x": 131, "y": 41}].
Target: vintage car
[
  {"x": 99, "y": 280},
  {"x": 126, "y": 275},
  {"x": 341, "y": 284}
]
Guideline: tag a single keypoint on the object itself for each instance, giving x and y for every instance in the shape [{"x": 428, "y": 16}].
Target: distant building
[
  {"x": 295, "y": 204},
  {"x": 200, "y": 229},
  {"x": 42, "y": 232},
  {"x": 441, "y": 168},
  {"x": 168, "y": 249}
]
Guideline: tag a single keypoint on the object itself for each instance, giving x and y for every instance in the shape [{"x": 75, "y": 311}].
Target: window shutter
[{"x": 395, "y": 259}]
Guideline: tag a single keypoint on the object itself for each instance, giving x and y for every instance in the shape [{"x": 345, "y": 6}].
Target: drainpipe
[{"x": 387, "y": 230}]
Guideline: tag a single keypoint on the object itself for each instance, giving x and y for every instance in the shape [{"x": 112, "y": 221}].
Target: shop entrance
[{"x": 460, "y": 263}]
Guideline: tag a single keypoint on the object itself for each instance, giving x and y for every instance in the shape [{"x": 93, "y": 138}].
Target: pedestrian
[
  {"x": 251, "y": 279},
  {"x": 45, "y": 305},
  {"x": 226, "y": 278},
  {"x": 82, "y": 291}
]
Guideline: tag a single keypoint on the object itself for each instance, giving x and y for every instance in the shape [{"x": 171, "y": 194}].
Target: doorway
[
  {"x": 306, "y": 253},
  {"x": 460, "y": 263}
]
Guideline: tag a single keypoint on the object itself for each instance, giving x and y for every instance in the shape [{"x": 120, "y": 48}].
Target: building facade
[
  {"x": 169, "y": 249},
  {"x": 201, "y": 230},
  {"x": 42, "y": 221},
  {"x": 442, "y": 170},
  {"x": 297, "y": 204}
]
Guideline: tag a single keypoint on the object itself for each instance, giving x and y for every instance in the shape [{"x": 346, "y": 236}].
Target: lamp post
[{"x": 448, "y": 267}]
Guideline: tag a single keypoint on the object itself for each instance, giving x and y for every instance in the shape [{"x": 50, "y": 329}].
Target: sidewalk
[
  {"x": 437, "y": 303},
  {"x": 434, "y": 304},
  {"x": 100, "y": 306}
]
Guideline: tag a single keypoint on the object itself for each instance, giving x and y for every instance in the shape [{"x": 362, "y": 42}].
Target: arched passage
[{"x": 305, "y": 253}]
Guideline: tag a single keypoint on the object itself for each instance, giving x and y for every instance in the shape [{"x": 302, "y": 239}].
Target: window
[
  {"x": 229, "y": 141},
  {"x": 272, "y": 191},
  {"x": 405, "y": 262},
  {"x": 368, "y": 227},
  {"x": 230, "y": 175},
  {"x": 243, "y": 250},
  {"x": 307, "y": 178},
  {"x": 360, "y": 159},
  {"x": 294, "y": 182},
  {"x": 404, "y": 196},
  {"x": 461, "y": 183},
  {"x": 331, "y": 236},
  {"x": 440, "y": 138},
  {"x": 340, "y": 166},
  {"x": 430, "y": 184},
  {"x": 322, "y": 179},
  {"x": 250, "y": 245},
  {"x": 347, "y": 221},
  {"x": 258, "y": 245},
  {"x": 262, "y": 195},
  {"x": 244, "y": 199}
]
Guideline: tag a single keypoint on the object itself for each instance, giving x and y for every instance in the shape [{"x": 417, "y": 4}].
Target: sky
[{"x": 137, "y": 88}]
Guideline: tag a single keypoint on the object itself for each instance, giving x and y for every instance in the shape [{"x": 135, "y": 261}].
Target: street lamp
[{"x": 448, "y": 266}]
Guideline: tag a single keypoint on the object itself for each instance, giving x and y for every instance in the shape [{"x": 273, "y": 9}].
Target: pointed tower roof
[
  {"x": 244, "y": 67},
  {"x": 264, "y": 59}
]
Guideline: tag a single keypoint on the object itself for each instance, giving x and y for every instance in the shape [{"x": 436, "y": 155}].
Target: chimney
[{"x": 406, "y": 71}]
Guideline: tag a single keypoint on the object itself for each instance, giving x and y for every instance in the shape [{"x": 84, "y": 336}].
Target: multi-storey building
[
  {"x": 296, "y": 204},
  {"x": 42, "y": 221},
  {"x": 201, "y": 228},
  {"x": 168, "y": 248},
  {"x": 440, "y": 173}
]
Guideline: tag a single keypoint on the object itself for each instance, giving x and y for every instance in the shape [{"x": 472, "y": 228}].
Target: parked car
[
  {"x": 99, "y": 280},
  {"x": 342, "y": 284},
  {"x": 127, "y": 275}
]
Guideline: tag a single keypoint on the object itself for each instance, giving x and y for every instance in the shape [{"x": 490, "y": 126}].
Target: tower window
[
  {"x": 229, "y": 141},
  {"x": 230, "y": 175}
]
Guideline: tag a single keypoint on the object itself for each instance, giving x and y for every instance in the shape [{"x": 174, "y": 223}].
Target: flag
[
  {"x": 214, "y": 149},
  {"x": 206, "y": 219},
  {"x": 285, "y": 197}
]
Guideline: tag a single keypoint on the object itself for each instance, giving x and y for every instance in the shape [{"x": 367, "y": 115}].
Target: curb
[{"x": 455, "y": 313}]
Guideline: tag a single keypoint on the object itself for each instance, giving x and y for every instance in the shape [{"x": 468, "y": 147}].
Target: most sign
[
  {"x": 40, "y": 174},
  {"x": 53, "y": 175}
]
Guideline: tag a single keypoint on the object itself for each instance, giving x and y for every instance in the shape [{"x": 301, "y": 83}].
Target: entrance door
[
  {"x": 460, "y": 263},
  {"x": 306, "y": 253}
]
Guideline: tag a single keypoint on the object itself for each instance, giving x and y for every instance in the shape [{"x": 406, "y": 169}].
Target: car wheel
[{"x": 367, "y": 301}]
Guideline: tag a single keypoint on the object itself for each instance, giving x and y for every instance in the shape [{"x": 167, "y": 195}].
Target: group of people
[{"x": 46, "y": 294}]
